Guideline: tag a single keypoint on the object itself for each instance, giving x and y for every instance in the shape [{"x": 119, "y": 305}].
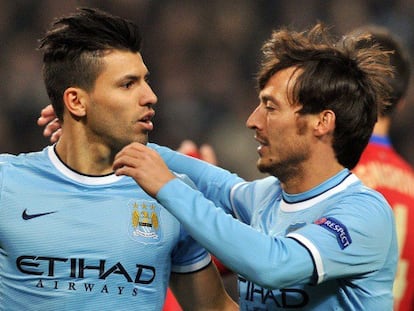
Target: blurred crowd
[{"x": 202, "y": 56}]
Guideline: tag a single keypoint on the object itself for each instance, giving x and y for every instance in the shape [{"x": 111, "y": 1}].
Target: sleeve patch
[{"x": 337, "y": 228}]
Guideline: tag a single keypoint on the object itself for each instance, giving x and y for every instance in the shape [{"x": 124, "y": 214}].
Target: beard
[
  {"x": 288, "y": 165},
  {"x": 290, "y": 156}
]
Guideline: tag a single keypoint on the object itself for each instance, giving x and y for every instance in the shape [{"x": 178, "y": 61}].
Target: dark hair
[
  {"x": 74, "y": 46},
  {"x": 337, "y": 76},
  {"x": 399, "y": 60}
]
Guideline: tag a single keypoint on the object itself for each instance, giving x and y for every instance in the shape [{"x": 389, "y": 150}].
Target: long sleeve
[
  {"x": 258, "y": 257},
  {"x": 214, "y": 182}
]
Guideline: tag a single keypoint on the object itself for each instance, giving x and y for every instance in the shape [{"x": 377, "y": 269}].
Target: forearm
[
  {"x": 201, "y": 290},
  {"x": 260, "y": 258}
]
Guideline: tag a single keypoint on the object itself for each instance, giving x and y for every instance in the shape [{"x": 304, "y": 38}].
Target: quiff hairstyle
[
  {"x": 334, "y": 75},
  {"x": 73, "y": 48}
]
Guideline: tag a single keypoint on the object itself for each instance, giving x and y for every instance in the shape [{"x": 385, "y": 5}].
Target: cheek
[
  {"x": 106, "y": 119},
  {"x": 282, "y": 137}
]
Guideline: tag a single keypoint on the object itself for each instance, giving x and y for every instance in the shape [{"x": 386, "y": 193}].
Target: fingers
[
  {"x": 47, "y": 114},
  {"x": 207, "y": 154},
  {"x": 127, "y": 156},
  {"x": 51, "y": 123},
  {"x": 48, "y": 111},
  {"x": 43, "y": 120},
  {"x": 55, "y": 136},
  {"x": 51, "y": 127},
  {"x": 188, "y": 147},
  {"x": 144, "y": 165},
  {"x": 123, "y": 170},
  {"x": 122, "y": 162}
]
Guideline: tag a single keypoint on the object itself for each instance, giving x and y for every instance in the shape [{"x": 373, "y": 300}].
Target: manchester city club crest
[{"x": 145, "y": 221}]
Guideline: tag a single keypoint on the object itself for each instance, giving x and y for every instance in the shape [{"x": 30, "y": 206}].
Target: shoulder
[
  {"x": 6, "y": 158},
  {"x": 23, "y": 164},
  {"x": 263, "y": 189},
  {"x": 364, "y": 203},
  {"x": 21, "y": 158},
  {"x": 266, "y": 184}
]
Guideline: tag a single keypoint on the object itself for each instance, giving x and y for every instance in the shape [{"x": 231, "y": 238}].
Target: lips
[
  {"x": 263, "y": 143},
  {"x": 146, "y": 121},
  {"x": 260, "y": 140}
]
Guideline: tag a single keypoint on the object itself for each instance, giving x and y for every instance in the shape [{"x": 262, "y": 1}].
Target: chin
[
  {"x": 262, "y": 167},
  {"x": 142, "y": 140}
]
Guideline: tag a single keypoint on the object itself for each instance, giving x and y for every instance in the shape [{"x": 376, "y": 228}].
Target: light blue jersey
[
  {"x": 333, "y": 247},
  {"x": 76, "y": 242}
]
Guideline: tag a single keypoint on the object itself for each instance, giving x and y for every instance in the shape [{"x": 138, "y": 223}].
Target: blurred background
[{"x": 202, "y": 55}]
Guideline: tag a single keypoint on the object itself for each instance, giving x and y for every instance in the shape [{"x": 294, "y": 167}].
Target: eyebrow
[
  {"x": 267, "y": 97},
  {"x": 133, "y": 77}
]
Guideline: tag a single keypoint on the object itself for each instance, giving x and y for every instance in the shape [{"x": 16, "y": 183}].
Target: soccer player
[
  {"x": 73, "y": 235},
  {"x": 311, "y": 236},
  {"x": 383, "y": 169}
]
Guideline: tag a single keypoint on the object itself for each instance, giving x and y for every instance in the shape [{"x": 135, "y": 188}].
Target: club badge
[{"x": 144, "y": 223}]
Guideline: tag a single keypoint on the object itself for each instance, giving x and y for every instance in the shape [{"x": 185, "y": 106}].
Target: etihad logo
[
  {"x": 81, "y": 274},
  {"x": 77, "y": 268},
  {"x": 255, "y": 297},
  {"x": 145, "y": 224}
]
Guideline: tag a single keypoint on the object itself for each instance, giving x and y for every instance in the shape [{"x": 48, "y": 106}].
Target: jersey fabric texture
[
  {"x": 381, "y": 168},
  {"x": 346, "y": 228},
  {"x": 75, "y": 242}
]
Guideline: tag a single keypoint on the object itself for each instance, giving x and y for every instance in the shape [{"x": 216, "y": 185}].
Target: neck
[
  {"x": 307, "y": 176},
  {"x": 85, "y": 157},
  {"x": 382, "y": 127}
]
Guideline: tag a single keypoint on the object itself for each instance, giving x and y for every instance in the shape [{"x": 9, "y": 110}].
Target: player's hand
[
  {"x": 51, "y": 123},
  {"x": 144, "y": 165},
  {"x": 205, "y": 152}
]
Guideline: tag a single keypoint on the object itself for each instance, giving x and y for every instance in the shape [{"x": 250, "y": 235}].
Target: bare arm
[{"x": 201, "y": 291}]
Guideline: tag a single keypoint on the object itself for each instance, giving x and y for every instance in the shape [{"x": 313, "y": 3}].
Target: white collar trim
[
  {"x": 83, "y": 179},
  {"x": 302, "y": 205}
]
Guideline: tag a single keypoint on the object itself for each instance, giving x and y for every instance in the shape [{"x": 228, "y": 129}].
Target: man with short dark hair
[{"x": 73, "y": 235}]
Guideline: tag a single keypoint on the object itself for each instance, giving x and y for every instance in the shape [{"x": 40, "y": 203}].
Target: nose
[
  {"x": 149, "y": 97},
  {"x": 252, "y": 121}
]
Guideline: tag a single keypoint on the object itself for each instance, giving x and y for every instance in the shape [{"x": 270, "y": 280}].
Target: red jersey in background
[{"x": 381, "y": 168}]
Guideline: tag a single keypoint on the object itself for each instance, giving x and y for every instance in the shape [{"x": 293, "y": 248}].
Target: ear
[
  {"x": 325, "y": 123},
  {"x": 75, "y": 100}
]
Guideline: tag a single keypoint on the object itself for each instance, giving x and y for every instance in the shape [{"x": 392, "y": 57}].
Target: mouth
[
  {"x": 262, "y": 143},
  {"x": 146, "y": 121}
]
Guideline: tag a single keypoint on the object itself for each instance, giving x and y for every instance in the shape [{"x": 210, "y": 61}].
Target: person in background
[
  {"x": 73, "y": 235},
  {"x": 383, "y": 169},
  {"x": 311, "y": 236}
]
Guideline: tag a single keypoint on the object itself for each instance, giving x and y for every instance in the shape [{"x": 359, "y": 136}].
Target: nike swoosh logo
[{"x": 26, "y": 216}]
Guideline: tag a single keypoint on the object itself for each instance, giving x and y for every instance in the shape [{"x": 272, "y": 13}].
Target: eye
[
  {"x": 127, "y": 84},
  {"x": 269, "y": 106}
]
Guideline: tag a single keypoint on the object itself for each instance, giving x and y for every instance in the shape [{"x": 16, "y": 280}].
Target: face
[
  {"x": 280, "y": 130},
  {"x": 120, "y": 106}
]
